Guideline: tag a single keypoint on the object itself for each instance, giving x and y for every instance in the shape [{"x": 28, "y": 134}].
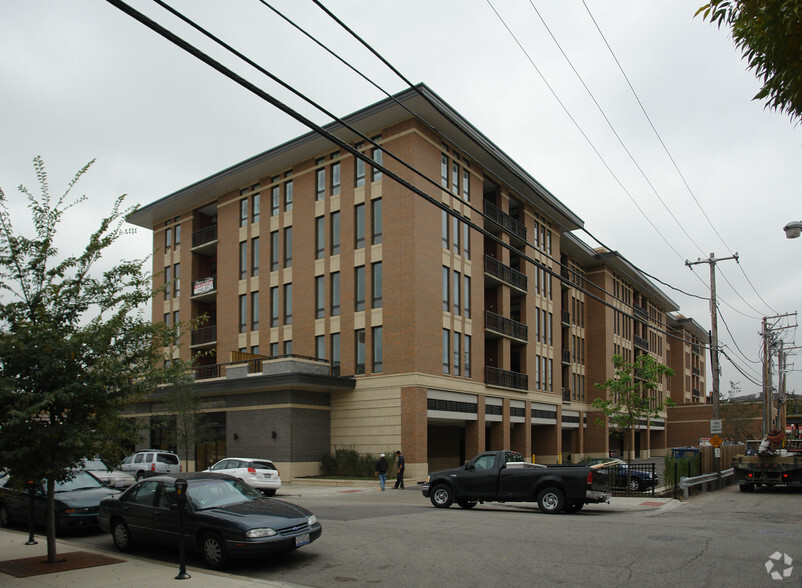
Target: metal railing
[
  {"x": 505, "y": 273},
  {"x": 506, "y": 326},
  {"x": 203, "y": 236},
  {"x": 507, "y": 379},
  {"x": 204, "y": 335},
  {"x": 509, "y": 223},
  {"x": 702, "y": 481}
]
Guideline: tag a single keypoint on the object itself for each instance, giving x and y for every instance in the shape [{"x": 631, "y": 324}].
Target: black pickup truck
[{"x": 503, "y": 476}]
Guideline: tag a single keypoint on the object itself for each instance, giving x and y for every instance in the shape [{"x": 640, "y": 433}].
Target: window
[
  {"x": 243, "y": 313},
  {"x": 376, "y": 221},
  {"x": 320, "y": 180},
  {"x": 287, "y": 304},
  {"x": 274, "y": 306},
  {"x": 466, "y": 297},
  {"x": 177, "y": 326},
  {"x": 176, "y": 280},
  {"x": 243, "y": 210},
  {"x": 359, "y": 351},
  {"x": 320, "y": 234},
  {"x": 168, "y": 282},
  {"x": 275, "y": 199},
  {"x": 288, "y": 347},
  {"x": 446, "y": 351},
  {"x": 359, "y": 170},
  {"x": 467, "y": 352},
  {"x": 168, "y": 237},
  {"x": 335, "y": 178},
  {"x": 273, "y": 251},
  {"x": 255, "y": 256},
  {"x": 466, "y": 191},
  {"x": 378, "y": 350},
  {"x": 254, "y": 311},
  {"x": 359, "y": 288},
  {"x": 288, "y": 196},
  {"x": 444, "y": 171},
  {"x": 320, "y": 347},
  {"x": 446, "y": 299},
  {"x": 455, "y": 234},
  {"x": 335, "y": 348},
  {"x": 455, "y": 294},
  {"x": 454, "y": 177},
  {"x": 457, "y": 357},
  {"x": 256, "y": 205},
  {"x": 243, "y": 260},
  {"x": 274, "y": 349},
  {"x": 320, "y": 301},
  {"x": 376, "y": 155},
  {"x": 444, "y": 229},
  {"x": 288, "y": 247},
  {"x": 335, "y": 293},
  {"x": 466, "y": 241},
  {"x": 359, "y": 226},
  {"x": 376, "y": 284},
  {"x": 335, "y": 233}
]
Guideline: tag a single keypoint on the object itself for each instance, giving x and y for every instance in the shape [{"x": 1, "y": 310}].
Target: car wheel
[
  {"x": 269, "y": 492},
  {"x": 139, "y": 475},
  {"x": 214, "y": 551},
  {"x": 551, "y": 500},
  {"x": 5, "y": 519},
  {"x": 576, "y": 507},
  {"x": 121, "y": 535},
  {"x": 442, "y": 496},
  {"x": 467, "y": 503},
  {"x": 634, "y": 485}
]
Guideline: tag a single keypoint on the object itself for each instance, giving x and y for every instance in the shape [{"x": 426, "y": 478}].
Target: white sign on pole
[{"x": 715, "y": 427}]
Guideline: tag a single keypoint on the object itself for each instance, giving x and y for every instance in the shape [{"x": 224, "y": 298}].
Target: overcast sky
[{"x": 81, "y": 80}]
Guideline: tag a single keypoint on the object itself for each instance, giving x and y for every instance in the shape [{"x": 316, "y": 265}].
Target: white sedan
[
  {"x": 259, "y": 473},
  {"x": 111, "y": 478}
]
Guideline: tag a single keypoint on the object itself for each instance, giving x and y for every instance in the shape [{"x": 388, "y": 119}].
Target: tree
[
  {"x": 769, "y": 34},
  {"x": 188, "y": 427},
  {"x": 739, "y": 418},
  {"x": 632, "y": 395},
  {"x": 74, "y": 348}
]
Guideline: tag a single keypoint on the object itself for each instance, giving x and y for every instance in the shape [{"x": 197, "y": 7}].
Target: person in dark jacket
[
  {"x": 399, "y": 478},
  {"x": 381, "y": 469}
]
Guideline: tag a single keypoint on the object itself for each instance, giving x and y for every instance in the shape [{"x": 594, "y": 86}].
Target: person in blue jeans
[
  {"x": 381, "y": 469},
  {"x": 399, "y": 479}
]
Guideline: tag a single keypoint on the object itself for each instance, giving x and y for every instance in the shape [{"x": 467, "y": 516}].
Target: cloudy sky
[{"x": 81, "y": 80}]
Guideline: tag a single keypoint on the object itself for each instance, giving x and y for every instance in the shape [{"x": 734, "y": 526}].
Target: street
[{"x": 396, "y": 537}]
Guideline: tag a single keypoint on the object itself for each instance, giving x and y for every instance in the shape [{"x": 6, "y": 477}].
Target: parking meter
[
  {"x": 30, "y": 485},
  {"x": 181, "y": 494}
]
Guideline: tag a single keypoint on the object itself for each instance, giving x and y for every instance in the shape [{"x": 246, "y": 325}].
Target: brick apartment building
[{"x": 345, "y": 311}]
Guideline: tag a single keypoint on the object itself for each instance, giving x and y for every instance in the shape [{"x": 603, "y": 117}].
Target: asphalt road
[{"x": 371, "y": 538}]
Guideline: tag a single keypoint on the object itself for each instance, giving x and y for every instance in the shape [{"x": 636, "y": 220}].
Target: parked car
[
  {"x": 77, "y": 501},
  {"x": 259, "y": 473},
  {"x": 224, "y": 518},
  {"x": 111, "y": 478},
  {"x": 150, "y": 462},
  {"x": 618, "y": 473}
]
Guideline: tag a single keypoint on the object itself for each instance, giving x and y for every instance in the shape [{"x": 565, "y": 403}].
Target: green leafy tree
[
  {"x": 188, "y": 426},
  {"x": 74, "y": 347},
  {"x": 769, "y": 34},
  {"x": 631, "y": 396}
]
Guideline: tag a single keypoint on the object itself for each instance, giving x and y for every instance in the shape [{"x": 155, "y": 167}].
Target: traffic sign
[
  {"x": 716, "y": 441},
  {"x": 715, "y": 427}
]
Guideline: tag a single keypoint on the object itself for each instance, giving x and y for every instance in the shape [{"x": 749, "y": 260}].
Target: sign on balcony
[{"x": 203, "y": 286}]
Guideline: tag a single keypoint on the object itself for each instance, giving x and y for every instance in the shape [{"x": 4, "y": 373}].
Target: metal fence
[{"x": 637, "y": 479}]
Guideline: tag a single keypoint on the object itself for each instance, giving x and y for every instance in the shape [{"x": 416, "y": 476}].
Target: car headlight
[
  {"x": 312, "y": 520},
  {"x": 257, "y": 533}
]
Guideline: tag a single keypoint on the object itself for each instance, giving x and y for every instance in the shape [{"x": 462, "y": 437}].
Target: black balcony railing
[
  {"x": 640, "y": 342},
  {"x": 505, "y": 378},
  {"x": 204, "y": 236},
  {"x": 696, "y": 371},
  {"x": 204, "y": 336},
  {"x": 506, "y": 326},
  {"x": 640, "y": 313},
  {"x": 565, "y": 317},
  {"x": 566, "y": 355},
  {"x": 508, "y": 223},
  {"x": 696, "y": 349},
  {"x": 566, "y": 395},
  {"x": 505, "y": 273}
]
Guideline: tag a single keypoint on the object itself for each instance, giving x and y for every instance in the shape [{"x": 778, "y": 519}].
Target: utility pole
[
  {"x": 714, "y": 367},
  {"x": 768, "y": 352}
]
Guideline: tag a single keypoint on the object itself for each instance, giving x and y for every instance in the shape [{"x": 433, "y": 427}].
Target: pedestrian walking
[
  {"x": 381, "y": 469},
  {"x": 399, "y": 478}
]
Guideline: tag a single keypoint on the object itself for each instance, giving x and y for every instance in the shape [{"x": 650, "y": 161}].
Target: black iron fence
[{"x": 637, "y": 479}]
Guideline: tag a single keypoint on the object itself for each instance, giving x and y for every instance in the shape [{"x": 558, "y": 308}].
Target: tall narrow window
[
  {"x": 466, "y": 296},
  {"x": 273, "y": 251},
  {"x": 254, "y": 311},
  {"x": 243, "y": 210},
  {"x": 444, "y": 229},
  {"x": 376, "y": 284},
  {"x": 467, "y": 353},
  {"x": 287, "y": 304},
  {"x": 320, "y": 235},
  {"x": 177, "y": 231},
  {"x": 466, "y": 190},
  {"x": 243, "y": 260},
  {"x": 255, "y": 256},
  {"x": 359, "y": 288},
  {"x": 320, "y": 300},
  {"x": 359, "y": 351},
  {"x": 168, "y": 237},
  {"x": 454, "y": 177},
  {"x": 288, "y": 247},
  {"x": 359, "y": 226},
  {"x": 335, "y": 293},
  {"x": 466, "y": 241},
  {"x": 274, "y": 306},
  {"x": 335, "y": 233},
  {"x": 320, "y": 179},
  {"x": 176, "y": 280},
  {"x": 457, "y": 358},
  {"x": 168, "y": 282},
  {"x": 243, "y": 313},
  {"x": 320, "y": 347},
  {"x": 288, "y": 196},
  {"x": 455, "y": 298},
  {"x": 177, "y": 326},
  {"x": 446, "y": 351},
  {"x": 335, "y": 178},
  {"x": 288, "y": 348},
  {"x": 376, "y": 220},
  {"x": 275, "y": 199},
  {"x": 446, "y": 298},
  {"x": 455, "y": 234},
  {"x": 444, "y": 171},
  {"x": 359, "y": 168},
  {"x": 378, "y": 350},
  {"x": 376, "y": 154},
  {"x": 335, "y": 349}
]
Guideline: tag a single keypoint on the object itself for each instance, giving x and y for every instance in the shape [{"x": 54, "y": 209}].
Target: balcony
[
  {"x": 696, "y": 393},
  {"x": 207, "y": 336},
  {"x": 566, "y": 395},
  {"x": 640, "y": 342},
  {"x": 640, "y": 313},
  {"x": 506, "y": 379},
  {"x": 696, "y": 349},
  {"x": 205, "y": 240},
  {"x": 566, "y": 356},
  {"x": 506, "y": 327},
  {"x": 565, "y": 317},
  {"x": 505, "y": 274},
  {"x": 205, "y": 289},
  {"x": 505, "y": 221},
  {"x": 696, "y": 371}
]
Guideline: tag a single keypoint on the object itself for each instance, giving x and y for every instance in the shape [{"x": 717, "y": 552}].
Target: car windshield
[
  {"x": 81, "y": 481},
  {"x": 216, "y": 493},
  {"x": 94, "y": 464},
  {"x": 263, "y": 465}
]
